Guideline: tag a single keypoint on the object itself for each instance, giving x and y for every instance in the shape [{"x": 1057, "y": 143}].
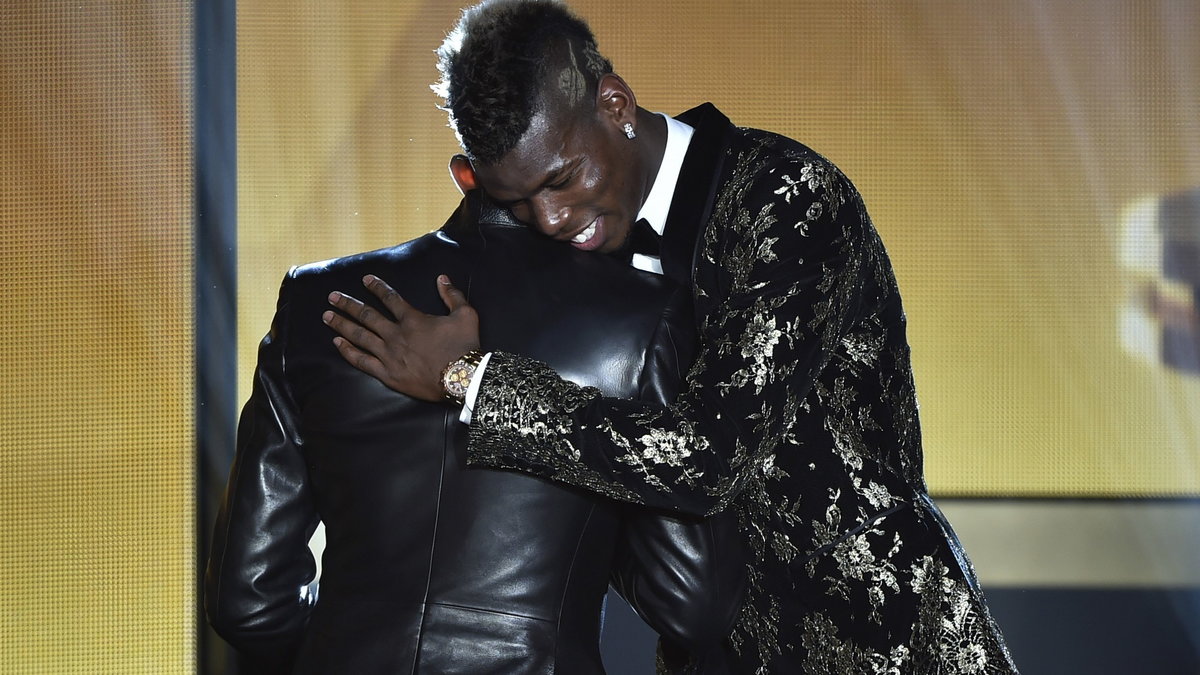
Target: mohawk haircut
[{"x": 504, "y": 60}]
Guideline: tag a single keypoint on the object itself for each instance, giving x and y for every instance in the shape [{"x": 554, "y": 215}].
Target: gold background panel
[
  {"x": 998, "y": 146},
  {"x": 97, "y": 564}
]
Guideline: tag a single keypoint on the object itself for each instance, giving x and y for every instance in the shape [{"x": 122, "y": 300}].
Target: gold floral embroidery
[{"x": 799, "y": 414}]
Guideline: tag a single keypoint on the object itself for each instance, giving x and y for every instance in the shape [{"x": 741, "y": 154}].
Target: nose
[{"x": 549, "y": 215}]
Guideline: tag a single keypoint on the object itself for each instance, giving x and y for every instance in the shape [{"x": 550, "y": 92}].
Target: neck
[{"x": 652, "y": 145}]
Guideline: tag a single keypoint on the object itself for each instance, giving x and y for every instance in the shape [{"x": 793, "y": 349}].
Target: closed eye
[{"x": 563, "y": 182}]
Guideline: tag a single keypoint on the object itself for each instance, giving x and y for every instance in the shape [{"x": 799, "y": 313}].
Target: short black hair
[{"x": 497, "y": 61}]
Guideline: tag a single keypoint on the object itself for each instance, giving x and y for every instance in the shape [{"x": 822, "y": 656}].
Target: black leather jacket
[{"x": 430, "y": 567}]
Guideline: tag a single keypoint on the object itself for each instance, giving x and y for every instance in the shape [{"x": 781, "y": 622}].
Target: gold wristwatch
[{"x": 456, "y": 376}]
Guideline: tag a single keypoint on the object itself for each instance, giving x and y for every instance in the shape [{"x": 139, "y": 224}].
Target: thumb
[{"x": 451, "y": 296}]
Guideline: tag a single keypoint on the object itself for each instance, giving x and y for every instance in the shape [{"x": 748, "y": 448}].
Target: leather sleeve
[
  {"x": 260, "y": 563},
  {"x": 684, "y": 577}
]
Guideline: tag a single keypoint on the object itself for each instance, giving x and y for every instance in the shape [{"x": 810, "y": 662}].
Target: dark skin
[{"x": 574, "y": 176}]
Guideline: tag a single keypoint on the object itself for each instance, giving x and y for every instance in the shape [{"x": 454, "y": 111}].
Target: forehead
[{"x": 548, "y": 146}]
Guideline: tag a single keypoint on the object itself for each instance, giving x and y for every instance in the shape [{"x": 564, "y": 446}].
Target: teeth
[{"x": 586, "y": 234}]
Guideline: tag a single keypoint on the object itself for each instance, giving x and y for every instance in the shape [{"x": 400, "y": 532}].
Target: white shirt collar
[{"x": 658, "y": 202}]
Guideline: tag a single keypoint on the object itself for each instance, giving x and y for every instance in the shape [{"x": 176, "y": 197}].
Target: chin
[
  {"x": 614, "y": 246},
  {"x": 619, "y": 241}
]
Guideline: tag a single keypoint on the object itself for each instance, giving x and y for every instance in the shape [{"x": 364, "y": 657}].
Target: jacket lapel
[{"x": 695, "y": 192}]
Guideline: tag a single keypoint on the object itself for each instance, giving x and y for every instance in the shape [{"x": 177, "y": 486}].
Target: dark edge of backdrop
[{"x": 215, "y": 288}]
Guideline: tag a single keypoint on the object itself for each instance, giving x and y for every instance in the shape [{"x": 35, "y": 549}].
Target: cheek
[
  {"x": 604, "y": 188},
  {"x": 593, "y": 181},
  {"x": 620, "y": 176}
]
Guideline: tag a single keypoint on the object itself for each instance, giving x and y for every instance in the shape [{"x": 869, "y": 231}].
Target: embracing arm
[
  {"x": 260, "y": 561},
  {"x": 792, "y": 243}
]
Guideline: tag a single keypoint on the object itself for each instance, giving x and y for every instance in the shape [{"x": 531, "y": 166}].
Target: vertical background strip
[{"x": 97, "y": 537}]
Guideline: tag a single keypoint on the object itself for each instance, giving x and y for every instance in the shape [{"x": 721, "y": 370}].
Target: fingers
[
  {"x": 360, "y": 311},
  {"x": 397, "y": 305},
  {"x": 360, "y": 359},
  {"x": 358, "y": 335},
  {"x": 391, "y": 299},
  {"x": 451, "y": 296}
]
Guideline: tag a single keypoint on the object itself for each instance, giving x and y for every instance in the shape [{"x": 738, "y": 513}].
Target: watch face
[{"x": 458, "y": 379}]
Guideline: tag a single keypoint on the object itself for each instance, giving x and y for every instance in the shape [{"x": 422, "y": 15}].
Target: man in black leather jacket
[{"x": 430, "y": 567}]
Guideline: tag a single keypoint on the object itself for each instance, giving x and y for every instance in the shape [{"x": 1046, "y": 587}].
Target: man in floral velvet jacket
[{"x": 799, "y": 414}]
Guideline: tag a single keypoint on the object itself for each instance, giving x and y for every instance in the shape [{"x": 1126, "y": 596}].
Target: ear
[
  {"x": 615, "y": 101},
  {"x": 463, "y": 173}
]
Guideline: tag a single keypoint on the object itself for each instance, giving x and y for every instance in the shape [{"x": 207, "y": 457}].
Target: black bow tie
[{"x": 643, "y": 239}]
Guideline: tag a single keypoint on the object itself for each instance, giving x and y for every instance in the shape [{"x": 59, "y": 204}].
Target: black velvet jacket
[
  {"x": 799, "y": 414},
  {"x": 430, "y": 566}
]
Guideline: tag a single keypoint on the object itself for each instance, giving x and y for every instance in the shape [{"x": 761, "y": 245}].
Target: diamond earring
[{"x": 629, "y": 132}]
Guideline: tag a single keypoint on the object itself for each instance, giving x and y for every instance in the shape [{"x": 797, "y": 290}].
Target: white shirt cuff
[
  {"x": 647, "y": 263},
  {"x": 473, "y": 390}
]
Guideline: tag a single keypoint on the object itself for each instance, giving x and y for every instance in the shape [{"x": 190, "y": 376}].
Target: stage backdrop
[{"x": 1032, "y": 166}]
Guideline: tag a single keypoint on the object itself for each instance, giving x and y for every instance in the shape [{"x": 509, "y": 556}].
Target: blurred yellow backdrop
[
  {"x": 97, "y": 560},
  {"x": 1000, "y": 147},
  {"x": 997, "y": 145}
]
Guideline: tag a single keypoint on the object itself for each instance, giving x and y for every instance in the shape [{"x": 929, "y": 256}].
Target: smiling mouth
[{"x": 587, "y": 233}]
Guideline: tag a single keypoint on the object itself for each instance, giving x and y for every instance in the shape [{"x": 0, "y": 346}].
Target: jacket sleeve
[
  {"x": 260, "y": 565},
  {"x": 792, "y": 239},
  {"x": 684, "y": 577}
]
